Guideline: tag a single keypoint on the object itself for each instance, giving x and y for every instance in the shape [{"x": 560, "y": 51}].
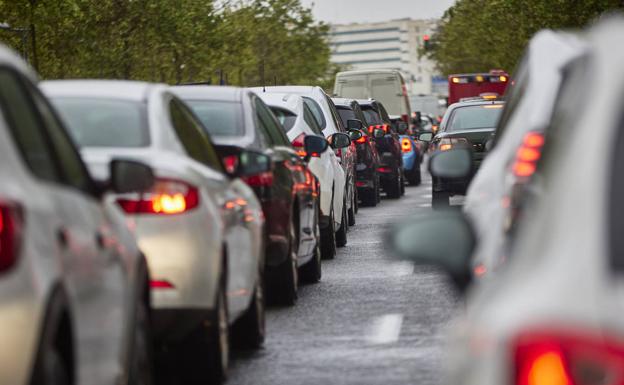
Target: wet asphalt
[{"x": 371, "y": 320}]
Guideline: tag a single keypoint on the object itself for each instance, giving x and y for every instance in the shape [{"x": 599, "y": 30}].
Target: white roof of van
[{"x": 365, "y": 72}]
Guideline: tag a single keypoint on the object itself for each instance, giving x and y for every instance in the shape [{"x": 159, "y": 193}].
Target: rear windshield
[
  {"x": 388, "y": 91},
  {"x": 104, "y": 123},
  {"x": 219, "y": 117},
  {"x": 372, "y": 117},
  {"x": 346, "y": 113},
  {"x": 286, "y": 118},
  {"x": 352, "y": 87},
  {"x": 475, "y": 117}
]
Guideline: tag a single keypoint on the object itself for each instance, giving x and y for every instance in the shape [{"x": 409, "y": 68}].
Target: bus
[{"x": 473, "y": 85}]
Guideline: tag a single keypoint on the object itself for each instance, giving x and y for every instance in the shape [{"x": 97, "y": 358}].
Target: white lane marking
[
  {"x": 426, "y": 196},
  {"x": 386, "y": 329},
  {"x": 424, "y": 205}
]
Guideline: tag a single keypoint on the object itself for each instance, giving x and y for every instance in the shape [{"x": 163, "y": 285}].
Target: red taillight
[
  {"x": 11, "y": 220},
  {"x": 406, "y": 145},
  {"x": 383, "y": 127},
  {"x": 264, "y": 179},
  {"x": 298, "y": 144},
  {"x": 405, "y": 118},
  {"x": 360, "y": 184},
  {"x": 230, "y": 163},
  {"x": 362, "y": 140},
  {"x": 167, "y": 197},
  {"x": 161, "y": 284},
  {"x": 556, "y": 357},
  {"x": 528, "y": 154},
  {"x": 384, "y": 169}
]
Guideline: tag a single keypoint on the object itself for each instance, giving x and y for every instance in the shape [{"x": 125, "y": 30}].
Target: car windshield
[
  {"x": 220, "y": 118},
  {"x": 372, "y": 117},
  {"x": 475, "y": 117},
  {"x": 104, "y": 123},
  {"x": 346, "y": 113},
  {"x": 286, "y": 118}
]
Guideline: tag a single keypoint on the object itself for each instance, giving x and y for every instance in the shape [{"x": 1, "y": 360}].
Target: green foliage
[
  {"x": 479, "y": 35},
  {"x": 171, "y": 41}
]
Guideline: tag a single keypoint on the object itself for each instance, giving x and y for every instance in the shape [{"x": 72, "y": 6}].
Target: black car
[
  {"x": 389, "y": 147},
  {"x": 465, "y": 124},
  {"x": 237, "y": 118},
  {"x": 368, "y": 160}
]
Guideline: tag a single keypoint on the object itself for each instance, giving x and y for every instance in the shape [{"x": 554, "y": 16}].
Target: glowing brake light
[
  {"x": 448, "y": 143},
  {"x": 406, "y": 145},
  {"x": 161, "y": 284},
  {"x": 528, "y": 155},
  {"x": 11, "y": 221},
  {"x": 230, "y": 163},
  {"x": 362, "y": 140},
  {"x": 167, "y": 197},
  {"x": 297, "y": 143}
]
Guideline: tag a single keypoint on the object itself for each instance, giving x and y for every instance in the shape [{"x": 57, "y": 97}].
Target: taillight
[
  {"x": 555, "y": 357},
  {"x": 167, "y": 197},
  {"x": 362, "y": 140},
  {"x": 161, "y": 284},
  {"x": 406, "y": 145},
  {"x": 230, "y": 162},
  {"x": 384, "y": 170},
  {"x": 11, "y": 221},
  {"x": 448, "y": 143},
  {"x": 264, "y": 179},
  {"x": 529, "y": 152},
  {"x": 298, "y": 144},
  {"x": 374, "y": 127}
]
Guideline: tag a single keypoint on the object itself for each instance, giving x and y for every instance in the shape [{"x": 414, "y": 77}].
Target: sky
[{"x": 352, "y": 11}]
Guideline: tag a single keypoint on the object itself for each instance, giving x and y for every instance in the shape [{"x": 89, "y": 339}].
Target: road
[{"x": 371, "y": 320}]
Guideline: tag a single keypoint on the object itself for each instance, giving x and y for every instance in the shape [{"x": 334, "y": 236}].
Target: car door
[{"x": 93, "y": 270}]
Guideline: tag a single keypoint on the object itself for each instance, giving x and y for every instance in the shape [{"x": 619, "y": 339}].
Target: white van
[{"x": 385, "y": 86}]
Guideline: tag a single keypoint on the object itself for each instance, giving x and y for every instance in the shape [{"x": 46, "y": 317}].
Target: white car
[
  {"x": 201, "y": 230},
  {"x": 328, "y": 120},
  {"x": 298, "y": 120},
  {"x": 74, "y": 287},
  {"x": 553, "y": 315},
  {"x": 494, "y": 198}
]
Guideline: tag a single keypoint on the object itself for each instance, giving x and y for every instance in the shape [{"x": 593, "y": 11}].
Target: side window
[
  {"x": 309, "y": 118},
  {"x": 26, "y": 128},
  {"x": 74, "y": 170},
  {"x": 192, "y": 135},
  {"x": 316, "y": 111},
  {"x": 335, "y": 117},
  {"x": 270, "y": 125}
]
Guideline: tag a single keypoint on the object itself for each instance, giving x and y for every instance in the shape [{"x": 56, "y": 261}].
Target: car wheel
[
  {"x": 414, "y": 178},
  {"x": 369, "y": 197},
  {"x": 341, "y": 234},
  {"x": 378, "y": 190},
  {"x": 205, "y": 354},
  {"x": 394, "y": 187},
  {"x": 53, "y": 369},
  {"x": 328, "y": 238},
  {"x": 402, "y": 185},
  {"x": 288, "y": 271},
  {"x": 439, "y": 199},
  {"x": 141, "y": 356},
  {"x": 351, "y": 213},
  {"x": 249, "y": 331},
  {"x": 311, "y": 272},
  {"x": 356, "y": 200}
]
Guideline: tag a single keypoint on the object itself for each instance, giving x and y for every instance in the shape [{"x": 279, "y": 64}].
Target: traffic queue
[
  {"x": 139, "y": 218},
  {"x": 536, "y": 251}
]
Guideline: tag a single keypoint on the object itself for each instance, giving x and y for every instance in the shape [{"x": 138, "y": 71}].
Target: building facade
[{"x": 389, "y": 45}]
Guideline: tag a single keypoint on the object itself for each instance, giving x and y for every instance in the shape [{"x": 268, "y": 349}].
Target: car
[
  {"x": 237, "y": 118},
  {"x": 368, "y": 162},
  {"x": 74, "y": 286},
  {"x": 465, "y": 124},
  {"x": 299, "y": 121},
  {"x": 389, "y": 147},
  {"x": 552, "y": 314},
  {"x": 201, "y": 229},
  {"x": 504, "y": 176},
  {"x": 344, "y": 202},
  {"x": 411, "y": 159}
]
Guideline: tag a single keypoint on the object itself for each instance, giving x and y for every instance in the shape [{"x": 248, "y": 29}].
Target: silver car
[
  {"x": 200, "y": 229},
  {"x": 74, "y": 287}
]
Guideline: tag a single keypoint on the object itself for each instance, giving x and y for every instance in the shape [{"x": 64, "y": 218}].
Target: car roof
[
  {"x": 479, "y": 102},
  {"x": 114, "y": 89},
  {"x": 285, "y": 101},
  {"x": 365, "y": 72},
  {"x": 286, "y": 89},
  {"x": 344, "y": 102},
  {"x": 223, "y": 93},
  {"x": 10, "y": 58}
]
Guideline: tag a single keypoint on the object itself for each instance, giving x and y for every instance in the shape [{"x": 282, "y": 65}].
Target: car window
[
  {"x": 286, "y": 118},
  {"x": 316, "y": 111},
  {"x": 309, "y": 118},
  {"x": 372, "y": 117},
  {"x": 346, "y": 113},
  {"x": 270, "y": 125},
  {"x": 220, "y": 118},
  {"x": 104, "y": 123},
  {"x": 191, "y": 133},
  {"x": 334, "y": 114},
  {"x": 26, "y": 129},
  {"x": 73, "y": 168},
  {"x": 474, "y": 117}
]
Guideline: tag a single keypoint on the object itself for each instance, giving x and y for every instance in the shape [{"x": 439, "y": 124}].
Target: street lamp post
[{"x": 23, "y": 32}]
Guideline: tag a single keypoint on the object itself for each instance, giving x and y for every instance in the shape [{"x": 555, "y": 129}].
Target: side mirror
[
  {"x": 340, "y": 140},
  {"x": 354, "y": 124},
  {"x": 425, "y": 136},
  {"x": 127, "y": 176},
  {"x": 378, "y": 133},
  {"x": 314, "y": 145},
  {"x": 355, "y": 134},
  {"x": 402, "y": 127},
  {"x": 451, "y": 164},
  {"x": 444, "y": 239},
  {"x": 251, "y": 163}
]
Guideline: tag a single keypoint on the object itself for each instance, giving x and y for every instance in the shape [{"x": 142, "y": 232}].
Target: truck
[{"x": 476, "y": 84}]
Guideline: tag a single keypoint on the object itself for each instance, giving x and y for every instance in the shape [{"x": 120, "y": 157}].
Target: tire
[
  {"x": 312, "y": 271},
  {"x": 439, "y": 200},
  {"x": 141, "y": 355},
  {"x": 288, "y": 273},
  {"x": 53, "y": 370},
  {"x": 369, "y": 197},
  {"x": 328, "y": 238},
  {"x": 394, "y": 188},
  {"x": 402, "y": 185},
  {"x": 414, "y": 178},
  {"x": 351, "y": 213},
  {"x": 250, "y": 330},
  {"x": 341, "y": 234},
  {"x": 356, "y": 200},
  {"x": 204, "y": 355}
]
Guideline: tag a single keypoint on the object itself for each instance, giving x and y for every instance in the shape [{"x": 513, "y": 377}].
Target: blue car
[{"x": 411, "y": 160}]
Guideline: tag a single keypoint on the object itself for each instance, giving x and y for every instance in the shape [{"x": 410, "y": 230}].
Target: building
[{"x": 389, "y": 45}]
